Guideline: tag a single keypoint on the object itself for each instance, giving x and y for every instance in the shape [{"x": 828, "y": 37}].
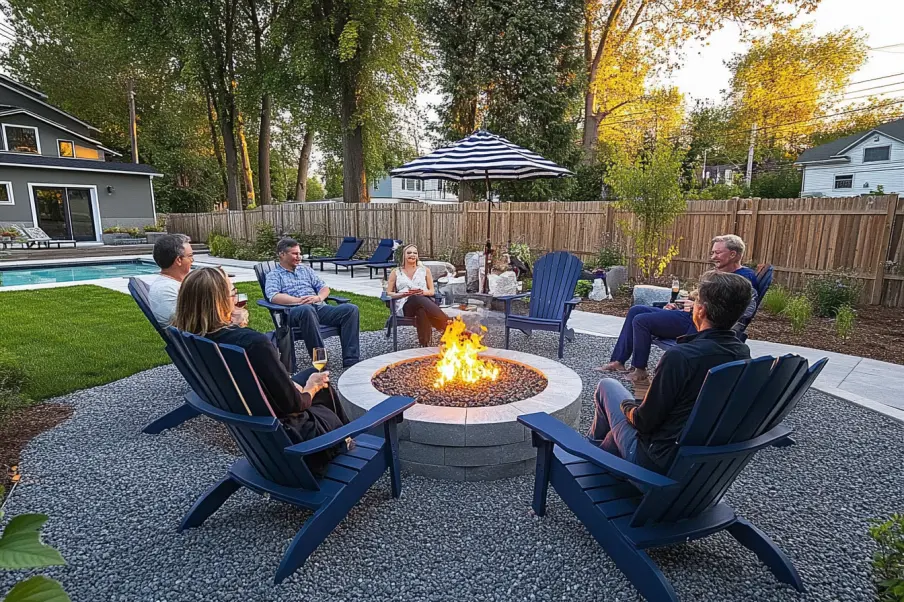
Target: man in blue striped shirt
[{"x": 291, "y": 283}]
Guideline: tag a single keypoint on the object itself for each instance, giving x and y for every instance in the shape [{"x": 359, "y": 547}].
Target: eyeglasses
[{"x": 234, "y": 292}]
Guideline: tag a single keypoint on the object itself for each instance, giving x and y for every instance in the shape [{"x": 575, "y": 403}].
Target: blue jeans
[
  {"x": 610, "y": 429},
  {"x": 306, "y": 319},
  {"x": 641, "y": 324}
]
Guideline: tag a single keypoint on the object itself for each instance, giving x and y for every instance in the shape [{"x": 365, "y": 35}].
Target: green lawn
[{"x": 78, "y": 337}]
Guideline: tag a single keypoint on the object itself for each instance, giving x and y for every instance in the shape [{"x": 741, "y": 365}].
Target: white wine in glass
[{"x": 319, "y": 358}]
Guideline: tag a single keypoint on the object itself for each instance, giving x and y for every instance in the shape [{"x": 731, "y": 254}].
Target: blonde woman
[
  {"x": 411, "y": 284},
  {"x": 303, "y": 403}
]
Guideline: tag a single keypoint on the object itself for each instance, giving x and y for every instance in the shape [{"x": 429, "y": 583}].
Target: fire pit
[{"x": 464, "y": 426}]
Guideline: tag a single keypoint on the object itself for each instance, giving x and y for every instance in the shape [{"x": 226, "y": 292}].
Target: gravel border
[{"x": 115, "y": 498}]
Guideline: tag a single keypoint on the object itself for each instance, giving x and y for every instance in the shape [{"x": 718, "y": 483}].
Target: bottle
[{"x": 676, "y": 287}]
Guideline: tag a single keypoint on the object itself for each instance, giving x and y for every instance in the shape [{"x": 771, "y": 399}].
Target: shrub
[
  {"x": 221, "y": 246},
  {"x": 153, "y": 228},
  {"x": 776, "y": 299},
  {"x": 265, "y": 242},
  {"x": 888, "y": 560},
  {"x": 799, "y": 312},
  {"x": 522, "y": 251},
  {"x": 114, "y": 230},
  {"x": 606, "y": 257},
  {"x": 830, "y": 291},
  {"x": 583, "y": 288},
  {"x": 844, "y": 322},
  {"x": 456, "y": 255},
  {"x": 13, "y": 379}
]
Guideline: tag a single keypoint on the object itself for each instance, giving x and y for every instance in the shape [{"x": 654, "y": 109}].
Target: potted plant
[
  {"x": 152, "y": 232},
  {"x": 112, "y": 234}
]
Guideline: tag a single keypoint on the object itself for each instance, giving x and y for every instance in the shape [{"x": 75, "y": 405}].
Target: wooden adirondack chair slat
[{"x": 736, "y": 414}]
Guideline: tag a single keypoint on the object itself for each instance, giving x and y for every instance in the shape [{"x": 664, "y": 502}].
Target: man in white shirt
[{"x": 174, "y": 255}]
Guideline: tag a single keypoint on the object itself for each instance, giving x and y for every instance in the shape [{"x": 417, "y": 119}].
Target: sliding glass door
[{"x": 65, "y": 213}]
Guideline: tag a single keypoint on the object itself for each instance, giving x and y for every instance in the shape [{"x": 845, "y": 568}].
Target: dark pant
[
  {"x": 641, "y": 324},
  {"x": 610, "y": 429},
  {"x": 426, "y": 314},
  {"x": 308, "y": 318},
  {"x": 324, "y": 397},
  {"x": 325, "y": 414}
]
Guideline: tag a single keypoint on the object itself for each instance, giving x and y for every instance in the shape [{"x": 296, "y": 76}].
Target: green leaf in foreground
[
  {"x": 21, "y": 546},
  {"x": 37, "y": 589}
]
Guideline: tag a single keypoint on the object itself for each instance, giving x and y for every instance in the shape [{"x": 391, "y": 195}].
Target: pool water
[{"x": 74, "y": 273}]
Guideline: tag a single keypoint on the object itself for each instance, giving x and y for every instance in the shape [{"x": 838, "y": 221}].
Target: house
[
  {"x": 721, "y": 174},
  {"x": 410, "y": 189},
  {"x": 856, "y": 164},
  {"x": 56, "y": 175}
]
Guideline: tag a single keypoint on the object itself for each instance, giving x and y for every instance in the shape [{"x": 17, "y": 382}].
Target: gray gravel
[{"x": 116, "y": 496}]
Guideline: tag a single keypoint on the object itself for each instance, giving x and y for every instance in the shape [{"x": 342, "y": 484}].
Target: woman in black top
[{"x": 303, "y": 403}]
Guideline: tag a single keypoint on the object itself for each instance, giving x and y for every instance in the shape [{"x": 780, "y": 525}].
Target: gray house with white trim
[
  {"x": 55, "y": 175},
  {"x": 856, "y": 164}
]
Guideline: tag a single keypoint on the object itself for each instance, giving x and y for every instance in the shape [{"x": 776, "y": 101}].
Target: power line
[{"x": 890, "y": 48}]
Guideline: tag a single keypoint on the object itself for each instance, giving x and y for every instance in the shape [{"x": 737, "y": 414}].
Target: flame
[{"x": 458, "y": 357}]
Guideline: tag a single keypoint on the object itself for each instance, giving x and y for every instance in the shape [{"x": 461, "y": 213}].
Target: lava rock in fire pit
[{"x": 416, "y": 379}]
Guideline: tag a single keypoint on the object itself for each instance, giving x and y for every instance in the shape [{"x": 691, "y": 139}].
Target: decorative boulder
[
  {"x": 503, "y": 284},
  {"x": 473, "y": 263},
  {"x": 616, "y": 276},
  {"x": 645, "y": 294}
]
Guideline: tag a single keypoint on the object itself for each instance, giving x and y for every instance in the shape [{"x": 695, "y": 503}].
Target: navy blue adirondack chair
[
  {"x": 382, "y": 256},
  {"x": 551, "y": 298},
  {"x": 346, "y": 251},
  {"x": 139, "y": 291},
  {"x": 280, "y": 313},
  {"x": 629, "y": 509},
  {"x": 763, "y": 282},
  {"x": 272, "y": 465},
  {"x": 394, "y": 321}
]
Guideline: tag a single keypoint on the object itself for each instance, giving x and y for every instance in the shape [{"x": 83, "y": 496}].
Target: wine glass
[
  {"x": 241, "y": 299},
  {"x": 676, "y": 288},
  {"x": 319, "y": 358}
]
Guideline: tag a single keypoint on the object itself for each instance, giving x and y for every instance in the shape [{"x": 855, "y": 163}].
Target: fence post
[
  {"x": 429, "y": 231},
  {"x": 508, "y": 219},
  {"x": 357, "y": 206},
  {"x": 733, "y": 225},
  {"x": 879, "y": 272},
  {"x": 463, "y": 223},
  {"x": 551, "y": 224},
  {"x": 754, "y": 217}
]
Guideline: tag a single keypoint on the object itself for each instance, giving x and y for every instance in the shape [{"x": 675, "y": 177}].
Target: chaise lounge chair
[
  {"x": 275, "y": 468},
  {"x": 381, "y": 258},
  {"x": 346, "y": 251},
  {"x": 37, "y": 237},
  {"x": 629, "y": 509}
]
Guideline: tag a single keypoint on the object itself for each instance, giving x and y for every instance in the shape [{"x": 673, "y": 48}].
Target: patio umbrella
[{"x": 481, "y": 156}]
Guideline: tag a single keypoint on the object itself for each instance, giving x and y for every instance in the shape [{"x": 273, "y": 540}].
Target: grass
[{"x": 78, "y": 337}]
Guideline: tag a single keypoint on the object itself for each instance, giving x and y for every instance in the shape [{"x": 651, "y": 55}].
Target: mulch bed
[
  {"x": 878, "y": 333},
  {"x": 415, "y": 379},
  {"x": 17, "y": 429}
]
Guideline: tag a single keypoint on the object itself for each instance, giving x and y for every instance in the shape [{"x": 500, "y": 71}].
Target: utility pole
[
  {"x": 133, "y": 126},
  {"x": 703, "y": 173},
  {"x": 749, "y": 175}
]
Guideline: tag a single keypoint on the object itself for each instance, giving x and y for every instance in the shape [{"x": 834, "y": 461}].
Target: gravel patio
[{"x": 115, "y": 498}]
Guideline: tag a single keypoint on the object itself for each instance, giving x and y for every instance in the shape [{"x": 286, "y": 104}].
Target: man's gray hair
[
  {"x": 732, "y": 242},
  {"x": 169, "y": 248},
  {"x": 724, "y": 297},
  {"x": 285, "y": 244}
]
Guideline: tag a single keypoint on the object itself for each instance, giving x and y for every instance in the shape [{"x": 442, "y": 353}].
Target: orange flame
[{"x": 458, "y": 357}]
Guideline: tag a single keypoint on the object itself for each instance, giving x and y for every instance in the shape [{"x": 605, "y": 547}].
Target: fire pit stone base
[{"x": 467, "y": 444}]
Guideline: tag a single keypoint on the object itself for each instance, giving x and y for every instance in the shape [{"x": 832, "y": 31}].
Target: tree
[
  {"x": 623, "y": 35},
  {"x": 315, "y": 190},
  {"x": 649, "y": 188}
]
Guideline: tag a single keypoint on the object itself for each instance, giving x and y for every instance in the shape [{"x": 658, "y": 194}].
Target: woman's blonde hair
[
  {"x": 204, "y": 304},
  {"x": 405, "y": 253}
]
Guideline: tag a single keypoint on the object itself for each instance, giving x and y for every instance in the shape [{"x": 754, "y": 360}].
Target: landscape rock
[
  {"x": 645, "y": 294},
  {"x": 616, "y": 276}
]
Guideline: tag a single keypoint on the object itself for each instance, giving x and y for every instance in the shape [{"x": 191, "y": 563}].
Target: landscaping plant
[
  {"x": 605, "y": 258},
  {"x": 153, "y": 228},
  {"x": 799, "y": 311},
  {"x": 829, "y": 292},
  {"x": 888, "y": 560},
  {"x": 265, "y": 242},
  {"x": 776, "y": 299},
  {"x": 221, "y": 245},
  {"x": 583, "y": 288},
  {"x": 844, "y": 322},
  {"x": 21, "y": 548}
]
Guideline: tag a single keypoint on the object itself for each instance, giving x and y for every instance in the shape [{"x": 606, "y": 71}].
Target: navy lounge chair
[
  {"x": 551, "y": 298},
  {"x": 381, "y": 257},
  {"x": 139, "y": 291},
  {"x": 346, "y": 251},
  {"x": 629, "y": 509},
  {"x": 272, "y": 466},
  {"x": 280, "y": 313}
]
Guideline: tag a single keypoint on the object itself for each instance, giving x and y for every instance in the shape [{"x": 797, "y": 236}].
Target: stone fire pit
[{"x": 473, "y": 443}]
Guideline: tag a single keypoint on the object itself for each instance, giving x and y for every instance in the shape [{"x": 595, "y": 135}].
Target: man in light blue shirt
[{"x": 291, "y": 283}]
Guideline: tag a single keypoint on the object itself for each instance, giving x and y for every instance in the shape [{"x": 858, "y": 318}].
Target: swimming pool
[{"x": 19, "y": 275}]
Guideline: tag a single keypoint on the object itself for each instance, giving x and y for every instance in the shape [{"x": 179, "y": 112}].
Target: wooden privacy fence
[{"x": 800, "y": 237}]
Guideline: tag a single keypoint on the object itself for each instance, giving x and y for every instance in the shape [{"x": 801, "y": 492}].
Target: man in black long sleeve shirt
[{"x": 646, "y": 433}]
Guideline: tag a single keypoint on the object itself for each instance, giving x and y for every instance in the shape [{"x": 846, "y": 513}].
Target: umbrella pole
[{"x": 488, "y": 249}]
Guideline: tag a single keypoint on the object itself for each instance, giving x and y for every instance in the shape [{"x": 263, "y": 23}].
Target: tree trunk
[
  {"x": 354, "y": 176},
  {"x": 304, "y": 163},
  {"x": 263, "y": 152},
  {"x": 214, "y": 135},
  {"x": 227, "y": 128},
  {"x": 246, "y": 163},
  {"x": 591, "y": 128}
]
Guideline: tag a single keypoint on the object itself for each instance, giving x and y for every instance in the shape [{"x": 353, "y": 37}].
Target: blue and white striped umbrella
[{"x": 481, "y": 156}]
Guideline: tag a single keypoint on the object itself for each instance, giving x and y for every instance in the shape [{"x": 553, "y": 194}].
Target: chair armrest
[
  {"x": 338, "y": 300},
  {"x": 701, "y": 453},
  {"x": 573, "y": 301},
  {"x": 274, "y": 306},
  {"x": 556, "y": 431},
  {"x": 255, "y": 423},
  {"x": 507, "y": 299},
  {"x": 384, "y": 411}
]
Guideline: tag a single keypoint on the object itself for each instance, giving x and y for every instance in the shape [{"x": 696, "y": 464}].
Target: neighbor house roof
[
  {"x": 43, "y": 162},
  {"x": 833, "y": 151}
]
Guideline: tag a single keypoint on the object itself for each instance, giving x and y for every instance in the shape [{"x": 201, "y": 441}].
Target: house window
[
  {"x": 376, "y": 184},
  {"x": 21, "y": 139},
  {"x": 876, "y": 153},
  {"x": 6, "y": 193},
  {"x": 66, "y": 148},
  {"x": 85, "y": 152},
  {"x": 409, "y": 184},
  {"x": 844, "y": 182}
]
